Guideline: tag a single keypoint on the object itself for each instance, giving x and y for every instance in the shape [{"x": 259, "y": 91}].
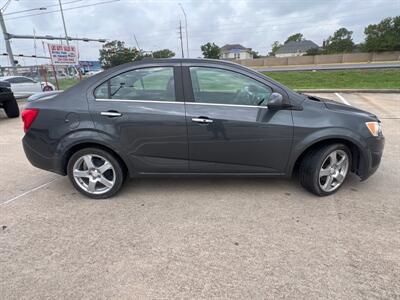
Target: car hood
[{"x": 337, "y": 106}]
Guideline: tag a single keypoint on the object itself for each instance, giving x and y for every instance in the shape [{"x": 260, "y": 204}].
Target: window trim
[
  {"x": 173, "y": 67},
  {"x": 193, "y": 100}
]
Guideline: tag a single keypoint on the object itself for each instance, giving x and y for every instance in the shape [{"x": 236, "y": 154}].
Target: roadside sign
[{"x": 63, "y": 54}]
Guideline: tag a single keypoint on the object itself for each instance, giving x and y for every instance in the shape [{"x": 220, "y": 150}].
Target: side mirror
[{"x": 275, "y": 101}]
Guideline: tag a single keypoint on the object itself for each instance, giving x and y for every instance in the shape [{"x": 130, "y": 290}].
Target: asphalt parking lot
[{"x": 201, "y": 238}]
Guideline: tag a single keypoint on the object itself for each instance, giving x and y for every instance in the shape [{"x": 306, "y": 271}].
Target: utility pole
[
  {"x": 62, "y": 16},
  {"x": 7, "y": 41},
  {"x": 137, "y": 44},
  {"x": 186, "y": 31},
  {"x": 180, "y": 37}
]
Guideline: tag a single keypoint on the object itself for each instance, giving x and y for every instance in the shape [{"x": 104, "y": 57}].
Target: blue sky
[{"x": 255, "y": 24}]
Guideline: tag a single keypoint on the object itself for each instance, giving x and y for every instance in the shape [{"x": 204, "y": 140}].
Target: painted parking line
[
  {"x": 28, "y": 192},
  {"x": 343, "y": 99}
]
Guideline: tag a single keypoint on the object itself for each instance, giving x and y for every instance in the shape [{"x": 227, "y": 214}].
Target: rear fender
[{"x": 88, "y": 138}]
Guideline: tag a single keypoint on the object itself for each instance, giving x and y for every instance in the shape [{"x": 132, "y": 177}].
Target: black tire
[
  {"x": 11, "y": 108},
  {"x": 47, "y": 88},
  {"x": 118, "y": 171},
  {"x": 312, "y": 163}
]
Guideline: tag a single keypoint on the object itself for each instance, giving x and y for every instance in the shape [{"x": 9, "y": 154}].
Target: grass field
[
  {"x": 345, "y": 79},
  {"x": 66, "y": 83}
]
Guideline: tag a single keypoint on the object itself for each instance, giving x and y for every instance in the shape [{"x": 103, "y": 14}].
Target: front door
[
  {"x": 230, "y": 128},
  {"x": 141, "y": 111}
]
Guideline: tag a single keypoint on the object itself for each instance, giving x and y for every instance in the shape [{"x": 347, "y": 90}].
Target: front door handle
[
  {"x": 111, "y": 114},
  {"x": 202, "y": 120}
]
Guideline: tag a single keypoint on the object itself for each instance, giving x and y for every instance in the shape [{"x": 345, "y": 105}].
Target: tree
[
  {"x": 164, "y": 53},
  {"x": 297, "y": 37},
  {"x": 255, "y": 54},
  {"x": 274, "y": 47},
  {"x": 384, "y": 36},
  {"x": 340, "y": 42},
  {"x": 210, "y": 50},
  {"x": 314, "y": 51},
  {"x": 115, "y": 53}
]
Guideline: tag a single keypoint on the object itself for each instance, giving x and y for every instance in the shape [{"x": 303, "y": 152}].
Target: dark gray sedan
[{"x": 196, "y": 117}]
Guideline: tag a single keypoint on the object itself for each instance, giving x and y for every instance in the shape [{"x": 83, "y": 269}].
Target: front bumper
[{"x": 371, "y": 157}]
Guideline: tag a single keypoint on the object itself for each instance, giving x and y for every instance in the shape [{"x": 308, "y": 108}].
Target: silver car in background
[{"x": 23, "y": 86}]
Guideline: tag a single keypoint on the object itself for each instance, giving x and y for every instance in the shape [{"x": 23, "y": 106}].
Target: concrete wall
[
  {"x": 301, "y": 60},
  {"x": 322, "y": 59}
]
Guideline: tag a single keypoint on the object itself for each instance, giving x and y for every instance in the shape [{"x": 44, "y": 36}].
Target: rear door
[
  {"x": 230, "y": 129},
  {"x": 141, "y": 112}
]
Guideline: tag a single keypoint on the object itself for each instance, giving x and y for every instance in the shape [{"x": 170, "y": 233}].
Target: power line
[{"x": 58, "y": 10}]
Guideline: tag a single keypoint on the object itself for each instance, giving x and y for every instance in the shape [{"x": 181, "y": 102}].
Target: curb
[{"x": 348, "y": 90}]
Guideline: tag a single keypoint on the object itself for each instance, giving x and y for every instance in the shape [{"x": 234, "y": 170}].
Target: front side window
[
  {"x": 212, "y": 85},
  {"x": 154, "y": 84}
]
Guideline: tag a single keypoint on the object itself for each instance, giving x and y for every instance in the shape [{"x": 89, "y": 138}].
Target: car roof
[
  {"x": 182, "y": 60},
  {"x": 12, "y": 76}
]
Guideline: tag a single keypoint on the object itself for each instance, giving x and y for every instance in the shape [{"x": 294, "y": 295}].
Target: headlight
[{"x": 375, "y": 128}]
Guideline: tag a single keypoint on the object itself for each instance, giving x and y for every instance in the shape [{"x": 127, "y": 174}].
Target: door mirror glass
[{"x": 275, "y": 101}]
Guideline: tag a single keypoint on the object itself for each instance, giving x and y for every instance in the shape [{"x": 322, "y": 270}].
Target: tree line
[{"x": 384, "y": 36}]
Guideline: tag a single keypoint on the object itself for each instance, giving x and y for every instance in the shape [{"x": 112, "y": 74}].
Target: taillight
[{"x": 28, "y": 116}]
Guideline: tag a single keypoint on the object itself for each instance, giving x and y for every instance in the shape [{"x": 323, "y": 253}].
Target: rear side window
[
  {"x": 153, "y": 84},
  {"x": 24, "y": 80}
]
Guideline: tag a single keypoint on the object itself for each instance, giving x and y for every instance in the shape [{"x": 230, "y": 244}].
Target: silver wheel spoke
[
  {"x": 324, "y": 172},
  {"x": 91, "y": 185},
  {"x": 328, "y": 183},
  {"x": 339, "y": 178},
  {"x": 81, "y": 174},
  {"x": 106, "y": 182},
  {"x": 333, "y": 159},
  {"x": 88, "y": 161},
  {"x": 106, "y": 166},
  {"x": 342, "y": 162}
]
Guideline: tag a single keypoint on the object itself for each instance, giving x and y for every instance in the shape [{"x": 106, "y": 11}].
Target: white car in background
[{"x": 23, "y": 86}]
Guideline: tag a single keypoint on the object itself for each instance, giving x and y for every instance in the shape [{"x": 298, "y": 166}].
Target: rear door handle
[
  {"x": 202, "y": 120},
  {"x": 111, "y": 114}
]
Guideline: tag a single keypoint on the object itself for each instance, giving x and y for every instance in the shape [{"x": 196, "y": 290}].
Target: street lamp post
[{"x": 186, "y": 30}]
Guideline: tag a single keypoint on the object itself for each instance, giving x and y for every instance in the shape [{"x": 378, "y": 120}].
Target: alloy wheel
[
  {"x": 94, "y": 174},
  {"x": 333, "y": 171}
]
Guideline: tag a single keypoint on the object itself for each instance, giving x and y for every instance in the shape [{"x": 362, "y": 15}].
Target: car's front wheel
[
  {"x": 95, "y": 173},
  {"x": 323, "y": 170},
  {"x": 47, "y": 88}
]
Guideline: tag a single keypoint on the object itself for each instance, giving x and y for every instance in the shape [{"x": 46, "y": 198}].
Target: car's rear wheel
[
  {"x": 95, "y": 173},
  {"x": 323, "y": 170},
  {"x": 11, "y": 108}
]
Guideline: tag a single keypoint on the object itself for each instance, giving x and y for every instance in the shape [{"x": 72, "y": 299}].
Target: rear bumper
[
  {"x": 52, "y": 164},
  {"x": 371, "y": 157}
]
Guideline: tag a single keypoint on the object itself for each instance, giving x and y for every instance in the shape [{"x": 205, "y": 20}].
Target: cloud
[{"x": 254, "y": 24}]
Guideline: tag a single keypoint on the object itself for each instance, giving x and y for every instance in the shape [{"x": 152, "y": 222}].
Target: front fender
[{"x": 302, "y": 143}]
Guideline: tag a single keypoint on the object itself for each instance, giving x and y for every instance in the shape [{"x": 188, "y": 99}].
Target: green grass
[
  {"x": 65, "y": 83},
  {"x": 345, "y": 79}
]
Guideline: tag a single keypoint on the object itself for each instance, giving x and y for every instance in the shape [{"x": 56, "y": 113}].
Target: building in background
[
  {"x": 235, "y": 51},
  {"x": 295, "y": 48},
  {"x": 87, "y": 66}
]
